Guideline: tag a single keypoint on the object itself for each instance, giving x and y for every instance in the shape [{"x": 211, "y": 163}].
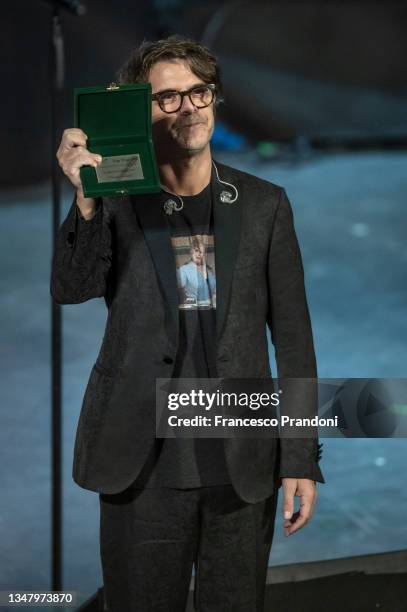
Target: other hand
[
  {"x": 72, "y": 154},
  {"x": 306, "y": 490}
]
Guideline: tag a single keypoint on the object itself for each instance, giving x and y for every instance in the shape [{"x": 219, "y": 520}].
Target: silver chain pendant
[
  {"x": 170, "y": 206},
  {"x": 226, "y": 197}
]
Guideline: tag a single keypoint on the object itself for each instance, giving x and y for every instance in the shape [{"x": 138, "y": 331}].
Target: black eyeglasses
[{"x": 171, "y": 101}]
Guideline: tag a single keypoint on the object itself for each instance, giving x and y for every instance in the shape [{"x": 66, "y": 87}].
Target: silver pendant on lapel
[
  {"x": 226, "y": 197},
  {"x": 170, "y": 206}
]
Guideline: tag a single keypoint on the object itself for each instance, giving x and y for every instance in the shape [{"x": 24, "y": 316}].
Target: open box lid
[{"x": 115, "y": 111}]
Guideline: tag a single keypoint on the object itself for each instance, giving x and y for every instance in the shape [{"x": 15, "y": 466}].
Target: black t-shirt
[{"x": 182, "y": 462}]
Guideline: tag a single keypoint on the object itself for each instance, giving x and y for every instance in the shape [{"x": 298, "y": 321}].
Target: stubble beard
[{"x": 191, "y": 145}]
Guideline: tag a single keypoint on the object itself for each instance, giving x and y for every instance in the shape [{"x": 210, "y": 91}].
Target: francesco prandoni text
[{"x": 253, "y": 401}]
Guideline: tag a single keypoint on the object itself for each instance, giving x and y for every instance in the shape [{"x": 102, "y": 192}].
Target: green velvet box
[{"x": 117, "y": 122}]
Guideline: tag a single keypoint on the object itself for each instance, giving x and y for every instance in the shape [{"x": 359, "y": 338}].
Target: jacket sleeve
[
  {"x": 291, "y": 333},
  {"x": 82, "y": 256}
]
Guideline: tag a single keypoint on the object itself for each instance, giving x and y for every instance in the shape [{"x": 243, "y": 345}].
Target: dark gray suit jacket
[{"x": 124, "y": 254}]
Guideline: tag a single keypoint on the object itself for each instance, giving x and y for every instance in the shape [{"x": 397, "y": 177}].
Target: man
[
  {"x": 169, "y": 504},
  {"x": 196, "y": 279}
]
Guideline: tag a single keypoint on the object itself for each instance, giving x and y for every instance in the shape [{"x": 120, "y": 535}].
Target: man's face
[
  {"x": 187, "y": 131},
  {"x": 198, "y": 254}
]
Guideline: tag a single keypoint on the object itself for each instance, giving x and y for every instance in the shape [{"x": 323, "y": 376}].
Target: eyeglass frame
[{"x": 186, "y": 92}]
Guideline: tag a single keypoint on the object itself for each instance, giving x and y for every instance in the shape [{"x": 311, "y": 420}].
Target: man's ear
[{"x": 218, "y": 99}]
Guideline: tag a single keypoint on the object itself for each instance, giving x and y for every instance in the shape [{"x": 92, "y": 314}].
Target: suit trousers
[{"x": 150, "y": 539}]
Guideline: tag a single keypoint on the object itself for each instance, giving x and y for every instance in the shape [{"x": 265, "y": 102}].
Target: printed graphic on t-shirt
[{"x": 195, "y": 261}]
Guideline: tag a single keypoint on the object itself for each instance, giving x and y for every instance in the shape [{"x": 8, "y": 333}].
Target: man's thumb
[{"x": 288, "y": 504}]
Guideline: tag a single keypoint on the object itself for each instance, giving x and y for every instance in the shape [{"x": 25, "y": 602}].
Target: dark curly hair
[{"x": 201, "y": 60}]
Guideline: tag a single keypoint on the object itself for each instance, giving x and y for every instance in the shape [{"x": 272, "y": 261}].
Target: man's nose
[{"x": 187, "y": 106}]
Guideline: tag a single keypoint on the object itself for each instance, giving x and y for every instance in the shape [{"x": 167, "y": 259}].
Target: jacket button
[{"x": 168, "y": 359}]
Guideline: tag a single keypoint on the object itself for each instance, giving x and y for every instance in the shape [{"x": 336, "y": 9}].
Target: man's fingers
[
  {"x": 73, "y": 159},
  {"x": 295, "y": 524},
  {"x": 81, "y": 155},
  {"x": 70, "y": 155},
  {"x": 78, "y": 158},
  {"x": 300, "y": 518},
  {"x": 73, "y": 137},
  {"x": 289, "y": 523},
  {"x": 290, "y": 486}
]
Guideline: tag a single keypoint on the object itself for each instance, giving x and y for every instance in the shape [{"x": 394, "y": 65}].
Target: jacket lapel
[
  {"x": 227, "y": 221},
  {"x": 157, "y": 235}
]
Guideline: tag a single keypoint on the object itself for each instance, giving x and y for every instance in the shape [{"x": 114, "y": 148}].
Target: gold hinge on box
[{"x": 112, "y": 87}]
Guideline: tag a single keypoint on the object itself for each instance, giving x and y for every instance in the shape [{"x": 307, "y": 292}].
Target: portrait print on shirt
[{"x": 196, "y": 278}]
